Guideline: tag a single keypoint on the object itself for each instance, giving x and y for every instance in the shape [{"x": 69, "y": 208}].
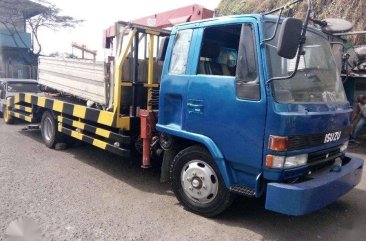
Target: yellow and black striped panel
[
  {"x": 98, "y": 116},
  {"x": 21, "y": 116},
  {"x": 95, "y": 142},
  {"x": 95, "y": 130},
  {"x": 23, "y": 108}
]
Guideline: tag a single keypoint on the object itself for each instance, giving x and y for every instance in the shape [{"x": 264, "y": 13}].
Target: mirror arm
[
  {"x": 301, "y": 46},
  {"x": 287, "y": 6},
  {"x": 321, "y": 23},
  {"x": 275, "y": 31},
  {"x": 289, "y": 76}
]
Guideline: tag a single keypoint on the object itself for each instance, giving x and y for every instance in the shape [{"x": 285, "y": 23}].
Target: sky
[{"x": 99, "y": 15}]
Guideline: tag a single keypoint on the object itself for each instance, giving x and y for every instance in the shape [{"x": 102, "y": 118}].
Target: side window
[
  {"x": 2, "y": 91},
  {"x": 178, "y": 63},
  {"x": 219, "y": 50},
  {"x": 247, "y": 80}
]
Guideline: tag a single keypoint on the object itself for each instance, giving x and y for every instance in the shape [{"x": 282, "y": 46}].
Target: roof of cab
[
  {"x": 216, "y": 20},
  {"x": 231, "y": 19}
]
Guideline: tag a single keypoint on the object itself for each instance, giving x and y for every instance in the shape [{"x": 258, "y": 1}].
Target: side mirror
[{"x": 289, "y": 38}]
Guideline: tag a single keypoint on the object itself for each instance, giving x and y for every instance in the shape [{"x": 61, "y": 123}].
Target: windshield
[
  {"x": 23, "y": 87},
  {"x": 317, "y": 79}
]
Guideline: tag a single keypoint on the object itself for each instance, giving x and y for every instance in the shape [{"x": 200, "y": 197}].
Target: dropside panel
[{"x": 98, "y": 116}]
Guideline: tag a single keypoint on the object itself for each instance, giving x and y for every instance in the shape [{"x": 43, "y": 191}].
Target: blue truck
[{"x": 247, "y": 105}]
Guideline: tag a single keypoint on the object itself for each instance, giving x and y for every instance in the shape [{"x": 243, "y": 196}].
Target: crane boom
[{"x": 165, "y": 19}]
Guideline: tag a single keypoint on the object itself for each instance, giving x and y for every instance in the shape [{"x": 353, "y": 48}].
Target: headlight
[
  {"x": 286, "y": 162},
  {"x": 343, "y": 147},
  {"x": 295, "y": 161}
]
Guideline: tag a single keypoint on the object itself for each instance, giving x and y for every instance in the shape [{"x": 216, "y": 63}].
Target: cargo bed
[{"x": 84, "y": 79}]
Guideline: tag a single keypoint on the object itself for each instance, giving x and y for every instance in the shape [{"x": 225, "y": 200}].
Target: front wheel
[
  {"x": 7, "y": 117},
  {"x": 197, "y": 183}
]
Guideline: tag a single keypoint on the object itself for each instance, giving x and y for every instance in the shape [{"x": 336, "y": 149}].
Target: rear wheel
[
  {"x": 197, "y": 182},
  {"x": 50, "y": 135},
  {"x": 7, "y": 117}
]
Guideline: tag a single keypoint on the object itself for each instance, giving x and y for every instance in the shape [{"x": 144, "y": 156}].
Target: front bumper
[{"x": 308, "y": 196}]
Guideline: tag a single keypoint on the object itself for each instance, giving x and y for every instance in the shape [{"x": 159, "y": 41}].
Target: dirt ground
[{"x": 84, "y": 193}]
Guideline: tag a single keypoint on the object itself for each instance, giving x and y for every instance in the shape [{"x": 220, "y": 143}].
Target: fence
[{"x": 18, "y": 71}]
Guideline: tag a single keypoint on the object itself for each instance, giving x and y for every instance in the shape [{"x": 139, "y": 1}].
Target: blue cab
[{"x": 230, "y": 130}]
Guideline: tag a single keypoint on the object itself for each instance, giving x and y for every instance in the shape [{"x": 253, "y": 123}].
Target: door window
[
  {"x": 230, "y": 50},
  {"x": 247, "y": 80},
  {"x": 178, "y": 63},
  {"x": 2, "y": 91},
  {"x": 219, "y": 50}
]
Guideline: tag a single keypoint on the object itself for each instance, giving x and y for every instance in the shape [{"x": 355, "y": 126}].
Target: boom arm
[{"x": 165, "y": 19}]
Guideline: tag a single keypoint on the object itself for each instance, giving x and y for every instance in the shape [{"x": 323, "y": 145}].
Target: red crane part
[
  {"x": 147, "y": 121},
  {"x": 165, "y": 19},
  {"x": 173, "y": 17}
]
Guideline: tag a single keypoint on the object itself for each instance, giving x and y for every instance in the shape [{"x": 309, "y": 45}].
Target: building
[{"x": 16, "y": 57}]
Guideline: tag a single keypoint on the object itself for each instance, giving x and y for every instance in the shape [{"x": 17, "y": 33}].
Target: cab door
[
  {"x": 225, "y": 101},
  {"x": 175, "y": 79}
]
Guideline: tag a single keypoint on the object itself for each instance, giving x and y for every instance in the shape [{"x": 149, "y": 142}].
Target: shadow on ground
[
  {"x": 126, "y": 170},
  {"x": 342, "y": 220}
]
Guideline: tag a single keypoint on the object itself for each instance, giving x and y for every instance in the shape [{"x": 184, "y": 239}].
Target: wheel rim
[
  {"x": 199, "y": 181},
  {"x": 47, "y": 130}
]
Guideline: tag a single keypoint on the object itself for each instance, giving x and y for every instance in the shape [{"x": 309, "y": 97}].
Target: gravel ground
[{"x": 87, "y": 194}]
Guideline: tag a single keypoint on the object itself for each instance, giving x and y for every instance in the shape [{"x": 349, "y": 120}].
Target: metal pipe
[
  {"x": 275, "y": 31},
  {"x": 150, "y": 76},
  {"x": 135, "y": 74},
  {"x": 145, "y": 46},
  {"x": 157, "y": 47},
  {"x": 349, "y": 33}
]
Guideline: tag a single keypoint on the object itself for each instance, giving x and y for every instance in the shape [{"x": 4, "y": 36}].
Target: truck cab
[
  {"x": 234, "y": 127},
  {"x": 10, "y": 87}
]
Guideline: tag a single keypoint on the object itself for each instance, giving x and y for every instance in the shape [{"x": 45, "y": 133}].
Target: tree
[
  {"x": 15, "y": 15},
  {"x": 351, "y": 10},
  {"x": 49, "y": 18}
]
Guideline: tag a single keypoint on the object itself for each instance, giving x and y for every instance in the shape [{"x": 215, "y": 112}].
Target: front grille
[
  {"x": 306, "y": 141},
  {"x": 323, "y": 155},
  {"x": 316, "y": 161}
]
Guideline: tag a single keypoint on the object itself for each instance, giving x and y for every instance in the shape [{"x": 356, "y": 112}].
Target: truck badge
[{"x": 333, "y": 136}]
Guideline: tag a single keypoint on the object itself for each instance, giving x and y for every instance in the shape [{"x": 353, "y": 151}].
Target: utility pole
[{"x": 84, "y": 50}]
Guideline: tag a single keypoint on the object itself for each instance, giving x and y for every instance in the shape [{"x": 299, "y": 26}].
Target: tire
[
  {"x": 7, "y": 117},
  {"x": 197, "y": 182},
  {"x": 50, "y": 135}
]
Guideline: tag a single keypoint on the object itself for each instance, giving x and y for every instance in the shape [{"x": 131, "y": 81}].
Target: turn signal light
[
  {"x": 274, "y": 161},
  {"x": 278, "y": 143}
]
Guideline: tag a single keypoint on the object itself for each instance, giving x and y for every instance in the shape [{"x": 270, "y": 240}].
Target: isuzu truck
[{"x": 247, "y": 105}]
